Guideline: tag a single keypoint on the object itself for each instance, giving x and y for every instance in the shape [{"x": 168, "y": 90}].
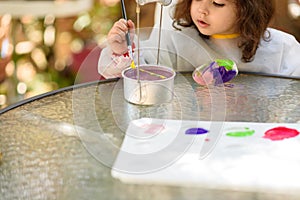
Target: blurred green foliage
[{"x": 26, "y": 75}]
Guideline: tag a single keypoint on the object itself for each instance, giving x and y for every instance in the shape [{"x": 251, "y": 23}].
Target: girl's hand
[{"x": 116, "y": 36}]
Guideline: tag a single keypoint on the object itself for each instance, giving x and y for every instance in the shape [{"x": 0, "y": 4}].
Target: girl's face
[{"x": 214, "y": 16}]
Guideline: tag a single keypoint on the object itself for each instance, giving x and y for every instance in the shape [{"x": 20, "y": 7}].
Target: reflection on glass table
[{"x": 43, "y": 140}]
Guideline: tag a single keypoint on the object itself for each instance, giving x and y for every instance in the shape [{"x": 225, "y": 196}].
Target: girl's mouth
[{"x": 203, "y": 24}]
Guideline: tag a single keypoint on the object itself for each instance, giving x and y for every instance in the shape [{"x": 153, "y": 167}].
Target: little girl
[{"x": 205, "y": 30}]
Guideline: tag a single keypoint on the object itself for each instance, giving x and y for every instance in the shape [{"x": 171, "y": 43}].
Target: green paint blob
[{"x": 241, "y": 133}]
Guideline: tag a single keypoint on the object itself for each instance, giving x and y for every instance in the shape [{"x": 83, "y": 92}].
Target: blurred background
[{"x": 42, "y": 49}]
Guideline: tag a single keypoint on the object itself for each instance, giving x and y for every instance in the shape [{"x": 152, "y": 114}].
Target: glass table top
[{"x": 43, "y": 140}]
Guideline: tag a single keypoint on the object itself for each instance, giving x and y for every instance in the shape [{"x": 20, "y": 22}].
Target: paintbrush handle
[
  {"x": 129, "y": 46},
  {"x": 123, "y": 10}
]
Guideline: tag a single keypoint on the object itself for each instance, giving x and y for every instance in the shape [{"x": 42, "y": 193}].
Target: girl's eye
[{"x": 218, "y": 4}]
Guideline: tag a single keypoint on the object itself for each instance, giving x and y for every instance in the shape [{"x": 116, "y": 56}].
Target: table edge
[{"x": 53, "y": 92}]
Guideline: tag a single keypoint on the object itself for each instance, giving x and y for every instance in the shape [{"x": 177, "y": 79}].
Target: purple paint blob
[
  {"x": 196, "y": 131},
  {"x": 281, "y": 133},
  {"x": 151, "y": 73}
]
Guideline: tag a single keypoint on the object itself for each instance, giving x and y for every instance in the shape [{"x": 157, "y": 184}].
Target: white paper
[{"x": 158, "y": 151}]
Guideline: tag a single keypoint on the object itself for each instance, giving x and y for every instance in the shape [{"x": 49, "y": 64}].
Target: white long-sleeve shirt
[{"x": 185, "y": 50}]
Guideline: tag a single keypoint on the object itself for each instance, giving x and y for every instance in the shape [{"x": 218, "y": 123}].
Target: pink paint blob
[
  {"x": 153, "y": 128},
  {"x": 281, "y": 133}
]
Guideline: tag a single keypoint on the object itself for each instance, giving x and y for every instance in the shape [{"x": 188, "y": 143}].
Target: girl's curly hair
[{"x": 253, "y": 18}]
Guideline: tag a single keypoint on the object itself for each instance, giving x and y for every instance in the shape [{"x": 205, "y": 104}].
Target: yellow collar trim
[{"x": 225, "y": 36}]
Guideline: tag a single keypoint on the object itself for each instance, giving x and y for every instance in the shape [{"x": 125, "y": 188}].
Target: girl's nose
[{"x": 203, "y": 8}]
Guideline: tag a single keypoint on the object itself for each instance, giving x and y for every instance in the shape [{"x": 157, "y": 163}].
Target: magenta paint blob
[{"x": 280, "y": 133}]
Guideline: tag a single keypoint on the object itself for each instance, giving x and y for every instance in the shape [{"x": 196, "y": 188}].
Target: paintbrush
[{"x": 129, "y": 45}]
